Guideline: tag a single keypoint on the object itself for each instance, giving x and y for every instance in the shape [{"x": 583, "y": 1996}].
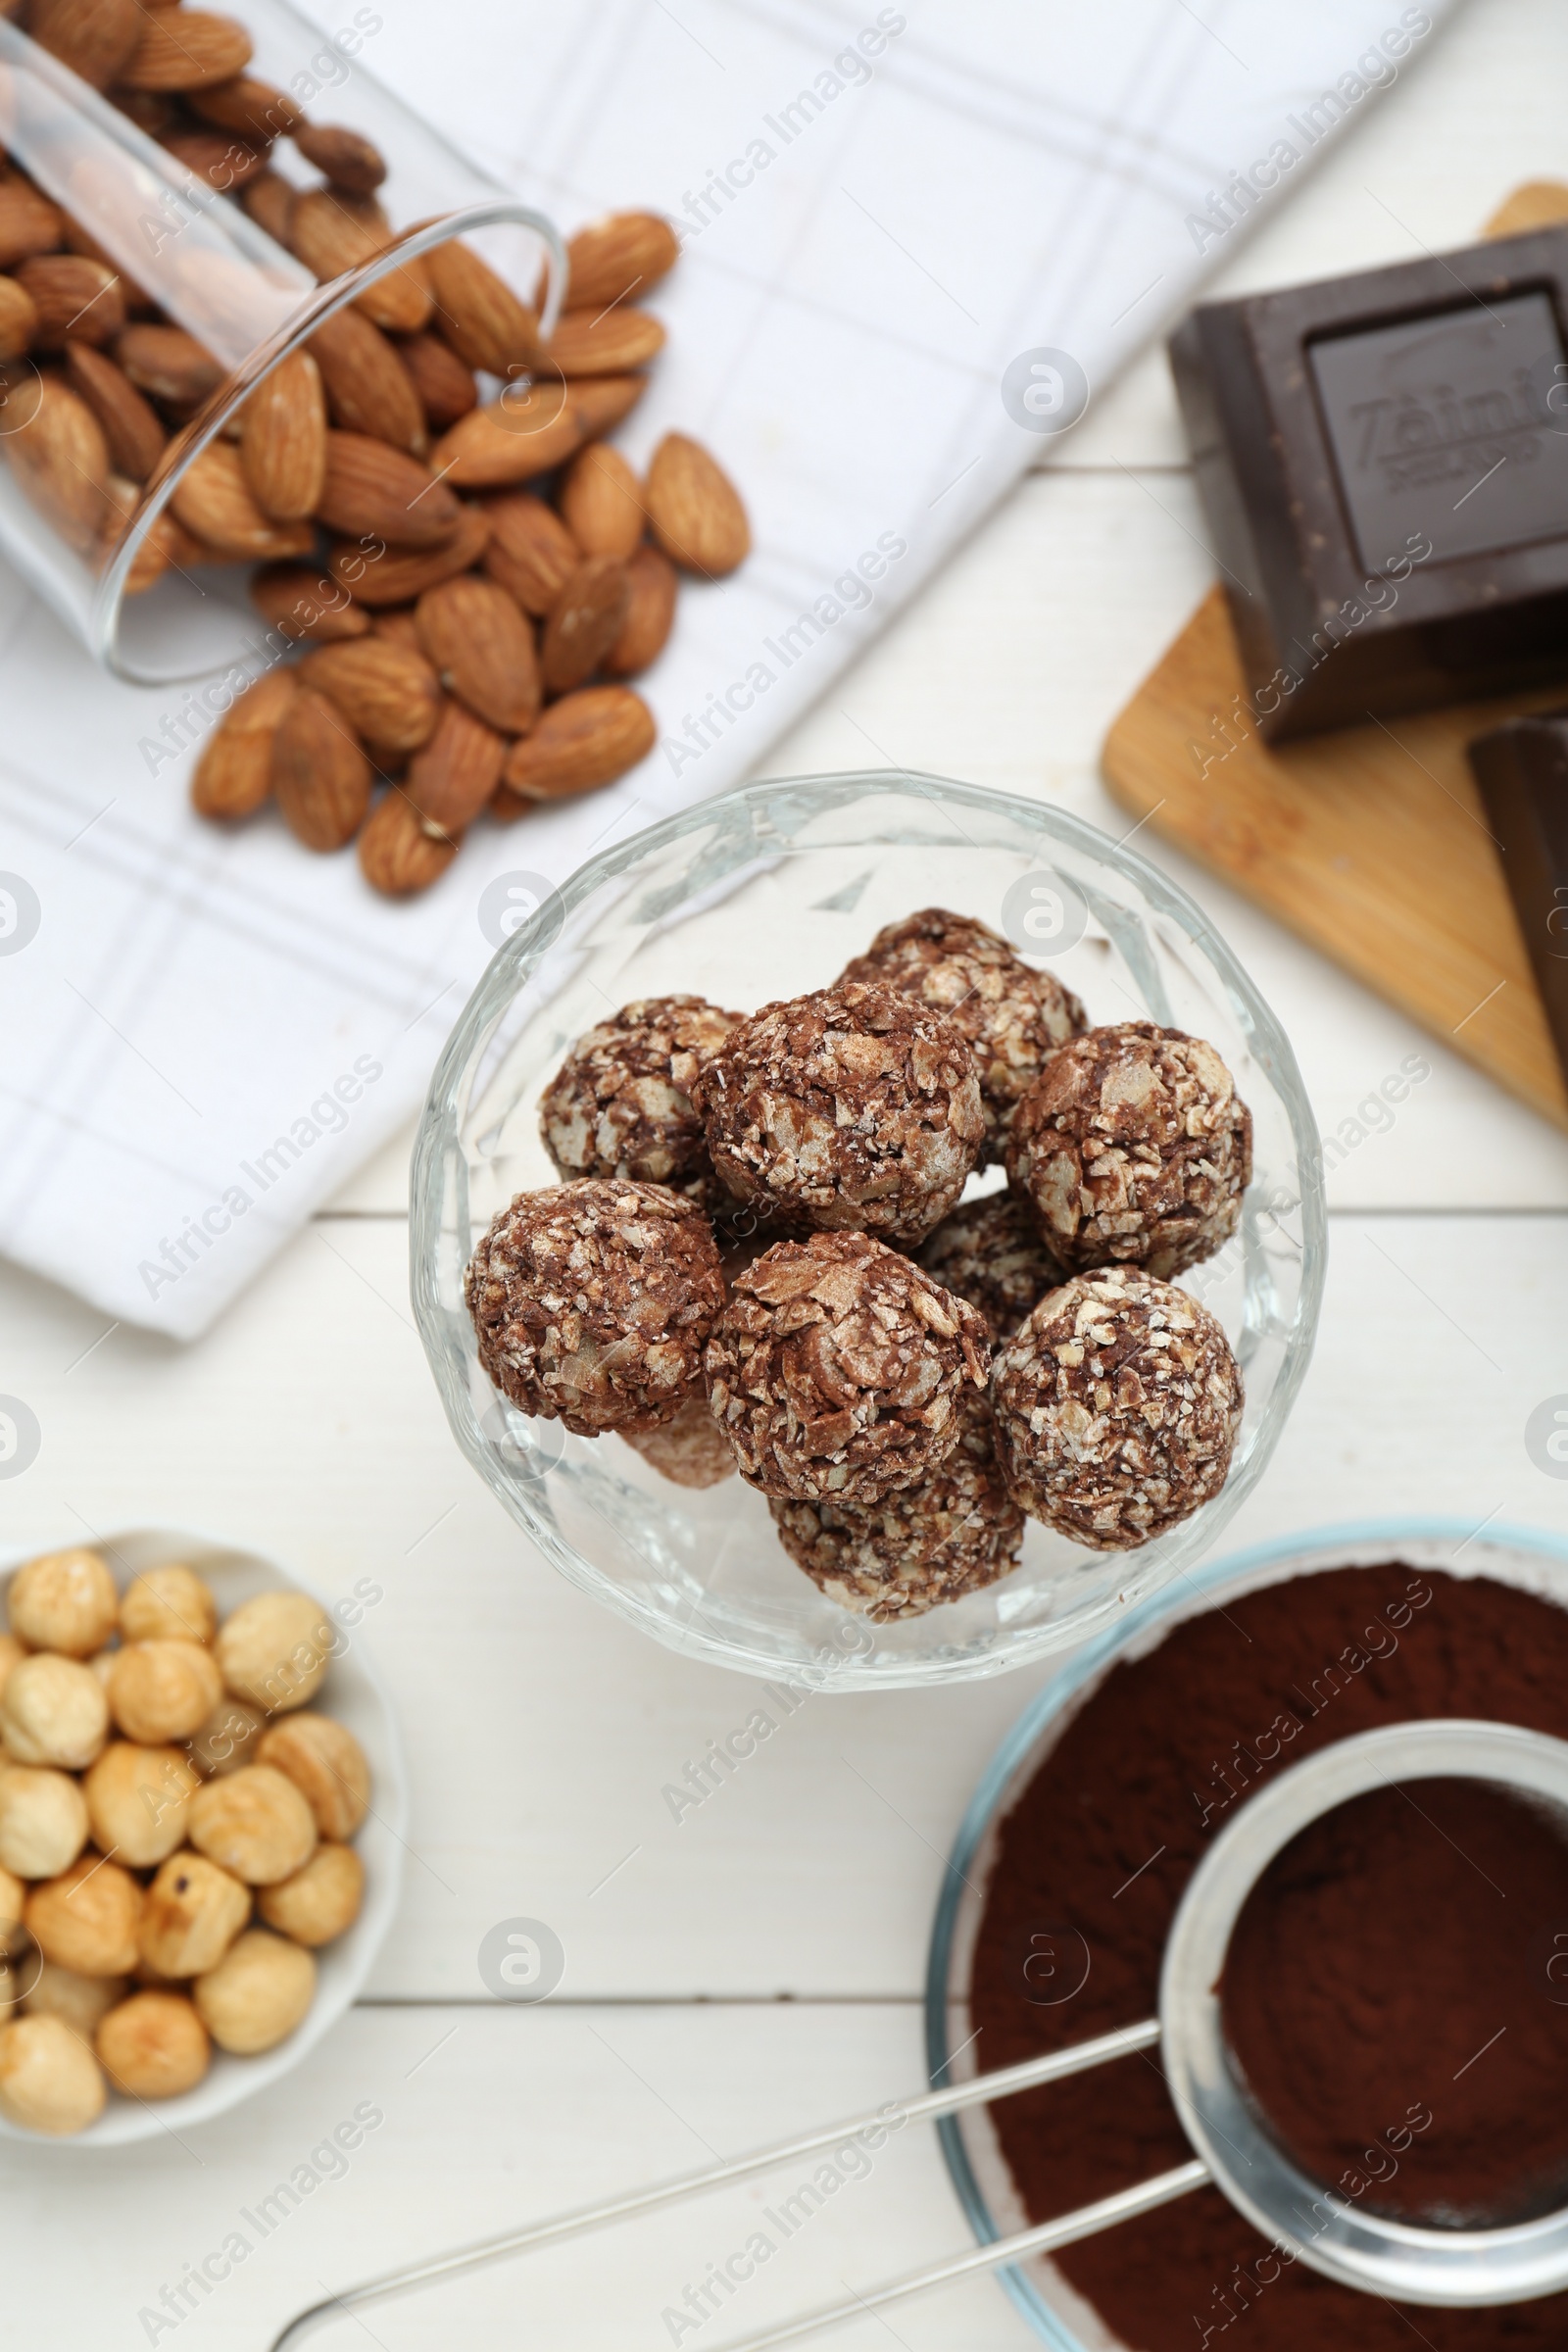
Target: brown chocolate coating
[
  {"x": 990, "y": 1251},
  {"x": 621, "y": 1103},
  {"x": 945, "y": 1535},
  {"x": 592, "y": 1302},
  {"x": 1134, "y": 1148},
  {"x": 692, "y": 1450},
  {"x": 1116, "y": 1409},
  {"x": 837, "y": 1369},
  {"x": 1013, "y": 1015},
  {"x": 855, "y": 1110}
]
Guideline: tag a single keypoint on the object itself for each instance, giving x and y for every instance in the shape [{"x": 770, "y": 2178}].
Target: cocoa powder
[{"x": 1093, "y": 1861}]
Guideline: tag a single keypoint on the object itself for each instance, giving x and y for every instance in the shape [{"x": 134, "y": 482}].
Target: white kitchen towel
[{"x": 913, "y": 236}]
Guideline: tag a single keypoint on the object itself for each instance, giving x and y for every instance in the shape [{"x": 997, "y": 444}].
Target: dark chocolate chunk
[{"x": 1522, "y": 770}]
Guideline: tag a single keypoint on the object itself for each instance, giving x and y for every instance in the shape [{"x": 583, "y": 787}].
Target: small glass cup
[
  {"x": 765, "y": 892},
  {"x": 213, "y": 271}
]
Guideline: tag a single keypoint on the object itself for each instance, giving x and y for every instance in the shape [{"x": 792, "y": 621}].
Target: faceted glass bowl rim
[{"x": 807, "y": 797}]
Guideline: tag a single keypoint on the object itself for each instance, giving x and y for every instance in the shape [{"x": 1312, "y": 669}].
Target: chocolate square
[
  {"x": 1383, "y": 459},
  {"x": 1522, "y": 770}
]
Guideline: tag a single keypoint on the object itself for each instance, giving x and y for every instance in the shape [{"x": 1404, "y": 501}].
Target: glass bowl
[
  {"x": 1535, "y": 1561},
  {"x": 767, "y": 892}
]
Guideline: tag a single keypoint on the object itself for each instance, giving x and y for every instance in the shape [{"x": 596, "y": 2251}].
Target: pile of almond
[{"x": 469, "y": 635}]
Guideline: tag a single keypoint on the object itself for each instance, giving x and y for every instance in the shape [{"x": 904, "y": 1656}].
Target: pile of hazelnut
[
  {"x": 760, "y": 1260},
  {"x": 162, "y": 1776}
]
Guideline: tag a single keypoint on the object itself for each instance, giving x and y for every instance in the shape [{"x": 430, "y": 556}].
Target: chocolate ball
[
  {"x": 837, "y": 1369},
  {"x": 592, "y": 1302},
  {"x": 621, "y": 1103},
  {"x": 990, "y": 1251},
  {"x": 692, "y": 1450},
  {"x": 948, "y": 1534},
  {"x": 1132, "y": 1147},
  {"x": 855, "y": 1109},
  {"x": 1013, "y": 1015},
  {"x": 1116, "y": 1407}
]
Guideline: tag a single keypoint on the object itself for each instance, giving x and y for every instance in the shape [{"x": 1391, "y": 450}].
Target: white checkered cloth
[{"x": 884, "y": 209}]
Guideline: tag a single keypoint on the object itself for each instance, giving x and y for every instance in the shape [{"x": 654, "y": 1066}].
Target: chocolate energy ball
[
  {"x": 837, "y": 1369},
  {"x": 947, "y": 1535},
  {"x": 1013, "y": 1015},
  {"x": 692, "y": 1450},
  {"x": 621, "y": 1103},
  {"x": 1132, "y": 1147},
  {"x": 853, "y": 1109},
  {"x": 1116, "y": 1407},
  {"x": 990, "y": 1252},
  {"x": 592, "y": 1302}
]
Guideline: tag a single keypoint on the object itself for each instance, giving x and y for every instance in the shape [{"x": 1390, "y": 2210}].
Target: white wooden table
[{"x": 756, "y": 1967}]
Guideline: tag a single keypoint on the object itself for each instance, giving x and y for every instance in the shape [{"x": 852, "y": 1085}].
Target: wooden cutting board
[{"x": 1370, "y": 842}]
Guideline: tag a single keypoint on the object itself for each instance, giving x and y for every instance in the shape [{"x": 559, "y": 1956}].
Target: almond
[
  {"x": 147, "y": 109},
  {"x": 695, "y": 508},
  {"x": 153, "y": 557},
  {"x": 529, "y": 431},
  {"x": 59, "y": 458},
  {"x": 138, "y": 303},
  {"x": 373, "y": 488},
  {"x": 19, "y": 319},
  {"x": 531, "y": 553},
  {"x": 225, "y": 163},
  {"x": 169, "y": 364},
  {"x": 649, "y": 611},
  {"x": 583, "y": 623},
  {"x": 583, "y": 741},
  {"x": 395, "y": 576},
  {"x": 255, "y": 109},
  {"x": 612, "y": 259},
  {"x": 136, "y": 439},
  {"x": 95, "y": 39},
  {"x": 320, "y": 776},
  {"x": 270, "y": 201},
  {"x": 389, "y": 697},
  {"x": 347, "y": 160},
  {"x": 185, "y": 49},
  {"x": 212, "y": 499},
  {"x": 487, "y": 324},
  {"x": 283, "y": 439},
  {"x": 73, "y": 297},
  {"x": 301, "y": 602},
  {"x": 400, "y": 851},
  {"x": 600, "y": 402},
  {"x": 446, "y": 388},
  {"x": 400, "y": 627},
  {"x": 332, "y": 231},
  {"x": 603, "y": 343},
  {"x": 29, "y": 224},
  {"x": 601, "y": 502},
  {"x": 234, "y": 774},
  {"x": 369, "y": 389},
  {"x": 451, "y": 779},
  {"x": 482, "y": 651}
]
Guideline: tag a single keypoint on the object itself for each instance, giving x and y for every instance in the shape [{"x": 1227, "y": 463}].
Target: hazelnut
[
  {"x": 320, "y": 1901},
  {"x": 274, "y": 1650},
  {"x": 12, "y": 1655},
  {"x": 153, "y": 2045},
  {"x": 87, "y": 1918},
  {"x": 77, "y": 2001},
  {"x": 326, "y": 1764},
  {"x": 66, "y": 1601},
  {"x": 43, "y": 1821},
  {"x": 13, "y": 1894},
  {"x": 138, "y": 1801},
  {"x": 255, "y": 1823},
  {"x": 49, "y": 2078},
  {"x": 168, "y": 1604},
  {"x": 257, "y": 1995},
  {"x": 192, "y": 1913},
  {"x": 226, "y": 1739},
  {"x": 161, "y": 1691},
  {"x": 53, "y": 1711}
]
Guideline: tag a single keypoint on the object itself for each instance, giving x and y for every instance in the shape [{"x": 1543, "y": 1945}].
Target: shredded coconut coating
[
  {"x": 1133, "y": 1147},
  {"x": 1013, "y": 1015},
  {"x": 855, "y": 1109},
  {"x": 948, "y": 1535},
  {"x": 837, "y": 1368},
  {"x": 592, "y": 1302},
  {"x": 621, "y": 1103},
  {"x": 1116, "y": 1409},
  {"x": 692, "y": 1450},
  {"x": 990, "y": 1251}
]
